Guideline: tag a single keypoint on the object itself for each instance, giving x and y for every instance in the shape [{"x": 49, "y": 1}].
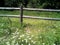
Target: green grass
[
  {"x": 31, "y": 13},
  {"x": 33, "y": 32},
  {"x": 36, "y": 32},
  {"x": 16, "y": 12}
]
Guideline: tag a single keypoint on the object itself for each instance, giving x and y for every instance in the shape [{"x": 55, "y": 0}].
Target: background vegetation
[
  {"x": 50, "y": 4},
  {"x": 33, "y": 31}
]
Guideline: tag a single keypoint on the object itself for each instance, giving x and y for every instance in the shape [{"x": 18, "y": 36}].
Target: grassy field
[
  {"x": 33, "y": 31},
  {"x": 32, "y": 13}
]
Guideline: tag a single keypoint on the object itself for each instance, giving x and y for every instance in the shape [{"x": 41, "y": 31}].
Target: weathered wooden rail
[
  {"x": 29, "y": 9},
  {"x": 32, "y": 9},
  {"x": 31, "y": 17}
]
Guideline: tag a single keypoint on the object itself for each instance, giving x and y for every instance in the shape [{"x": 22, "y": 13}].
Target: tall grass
[{"x": 34, "y": 32}]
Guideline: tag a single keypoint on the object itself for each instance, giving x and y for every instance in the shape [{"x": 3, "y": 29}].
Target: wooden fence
[
  {"x": 32, "y": 9},
  {"x": 29, "y": 9}
]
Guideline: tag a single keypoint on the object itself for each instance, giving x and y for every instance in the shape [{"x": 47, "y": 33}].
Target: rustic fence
[
  {"x": 21, "y": 16},
  {"x": 29, "y": 9}
]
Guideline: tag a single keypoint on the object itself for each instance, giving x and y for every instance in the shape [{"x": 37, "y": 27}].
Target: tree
[
  {"x": 52, "y": 4},
  {"x": 2, "y": 3},
  {"x": 12, "y": 3},
  {"x": 24, "y": 2}
]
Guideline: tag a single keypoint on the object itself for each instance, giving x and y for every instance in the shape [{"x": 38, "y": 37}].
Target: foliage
[
  {"x": 24, "y": 2},
  {"x": 50, "y": 4},
  {"x": 12, "y": 3},
  {"x": 33, "y": 32},
  {"x": 2, "y": 3}
]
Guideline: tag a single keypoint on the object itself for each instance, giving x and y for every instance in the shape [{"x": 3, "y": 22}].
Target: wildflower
[
  {"x": 27, "y": 34},
  {"x": 17, "y": 33},
  {"x": 26, "y": 40},
  {"x": 40, "y": 36},
  {"x": 19, "y": 38},
  {"x": 13, "y": 36},
  {"x": 30, "y": 38},
  {"x": 13, "y": 42},
  {"x": 32, "y": 35},
  {"x": 43, "y": 43},
  {"x": 29, "y": 44},
  {"x": 34, "y": 42},
  {"x": 17, "y": 43},
  {"x": 39, "y": 30},
  {"x": 22, "y": 40},
  {"x": 22, "y": 35},
  {"x": 7, "y": 43},
  {"x": 54, "y": 44},
  {"x": 21, "y": 44}
]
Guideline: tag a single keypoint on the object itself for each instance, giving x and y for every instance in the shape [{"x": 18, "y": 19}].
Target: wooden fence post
[{"x": 21, "y": 15}]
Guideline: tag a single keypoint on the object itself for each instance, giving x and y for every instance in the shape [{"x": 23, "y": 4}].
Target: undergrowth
[{"x": 33, "y": 32}]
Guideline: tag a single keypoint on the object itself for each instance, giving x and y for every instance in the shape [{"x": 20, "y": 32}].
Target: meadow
[{"x": 33, "y": 31}]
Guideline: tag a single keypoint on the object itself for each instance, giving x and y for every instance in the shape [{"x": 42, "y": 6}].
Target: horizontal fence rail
[
  {"x": 9, "y": 8},
  {"x": 32, "y": 17},
  {"x": 21, "y": 16},
  {"x": 32, "y": 9},
  {"x": 45, "y": 10}
]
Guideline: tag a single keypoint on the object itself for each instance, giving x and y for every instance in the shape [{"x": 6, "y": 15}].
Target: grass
[
  {"x": 32, "y": 13},
  {"x": 33, "y": 32}
]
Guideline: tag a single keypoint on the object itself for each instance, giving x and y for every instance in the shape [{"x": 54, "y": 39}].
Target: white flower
[
  {"x": 19, "y": 38},
  {"x": 27, "y": 34},
  {"x": 17, "y": 33},
  {"x": 17, "y": 43},
  {"x": 23, "y": 35},
  {"x": 54, "y": 44},
  {"x": 29, "y": 44},
  {"x": 32, "y": 35},
  {"x": 39, "y": 30},
  {"x": 34, "y": 42},
  {"x": 22, "y": 40},
  {"x": 43, "y": 43},
  {"x": 14, "y": 37},
  {"x": 26, "y": 40},
  {"x": 40, "y": 36},
  {"x": 28, "y": 31},
  {"x": 13, "y": 42},
  {"x": 30, "y": 38},
  {"x": 7, "y": 43},
  {"x": 21, "y": 44}
]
